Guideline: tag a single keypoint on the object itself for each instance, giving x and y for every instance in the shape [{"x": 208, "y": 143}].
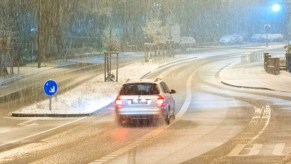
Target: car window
[
  {"x": 165, "y": 87},
  {"x": 139, "y": 89}
]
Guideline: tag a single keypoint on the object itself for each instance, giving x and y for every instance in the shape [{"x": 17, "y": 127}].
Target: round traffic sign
[{"x": 50, "y": 87}]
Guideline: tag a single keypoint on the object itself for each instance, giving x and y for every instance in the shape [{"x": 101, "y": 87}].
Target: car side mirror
[{"x": 172, "y": 91}]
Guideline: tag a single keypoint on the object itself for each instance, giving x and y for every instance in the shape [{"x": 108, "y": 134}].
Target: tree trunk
[{"x": 49, "y": 28}]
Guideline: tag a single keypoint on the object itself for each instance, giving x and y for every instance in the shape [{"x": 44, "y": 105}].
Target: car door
[{"x": 168, "y": 96}]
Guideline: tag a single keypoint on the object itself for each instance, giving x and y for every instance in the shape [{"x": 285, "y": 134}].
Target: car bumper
[{"x": 132, "y": 113}]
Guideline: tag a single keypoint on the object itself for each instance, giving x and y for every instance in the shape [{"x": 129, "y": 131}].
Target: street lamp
[
  {"x": 267, "y": 27},
  {"x": 276, "y": 7}
]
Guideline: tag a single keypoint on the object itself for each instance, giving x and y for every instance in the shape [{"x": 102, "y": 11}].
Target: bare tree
[
  {"x": 49, "y": 27},
  {"x": 6, "y": 24}
]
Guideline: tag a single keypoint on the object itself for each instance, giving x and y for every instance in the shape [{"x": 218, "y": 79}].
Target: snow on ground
[
  {"x": 20, "y": 73},
  {"x": 90, "y": 96}
]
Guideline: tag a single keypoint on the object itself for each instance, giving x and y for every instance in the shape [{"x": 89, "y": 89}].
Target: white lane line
[
  {"x": 238, "y": 148},
  {"x": 107, "y": 158},
  {"x": 5, "y": 130},
  {"x": 188, "y": 96},
  {"x": 23, "y": 124},
  {"x": 43, "y": 132},
  {"x": 266, "y": 114},
  {"x": 173, "y": 65},
  {"x": 156, "y": 131},
  {"x": 267, "y": 111},
  {"x": 255, "y": 149},
  {"x": 26, "y": 123},
  {"x": 118, "y": 153},
  {"x": 112, "y": 155},
  {"x": 278, "y": 149},
  {"x": 97, "y": 162}
]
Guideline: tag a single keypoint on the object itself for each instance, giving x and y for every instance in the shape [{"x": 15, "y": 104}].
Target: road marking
[
  {"x": 112, "y": 155},
  {"x": 238, "y": 148},
  {"x": 5, "y": 130},
  {"x": 188, "y": 96},
  {"x": 156, "y": 131},
  {"x": 43, "y": 132},
  {"x": 255, "y": 149},
  {"x": 27, "y": 123},
  {"x": 278, "y": 149},
  {"x": 107, "y": 158},
  {"x": 267, "y": 113},
  {"x": 259, "y": 114}
]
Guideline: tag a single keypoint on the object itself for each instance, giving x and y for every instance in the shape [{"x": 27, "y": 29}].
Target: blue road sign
[{"x": 50, "y": 87}]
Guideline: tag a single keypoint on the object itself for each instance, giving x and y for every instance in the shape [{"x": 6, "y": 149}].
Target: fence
[
  {"x": 156, "y": 50},
  {"x": 251, "y": 57}
]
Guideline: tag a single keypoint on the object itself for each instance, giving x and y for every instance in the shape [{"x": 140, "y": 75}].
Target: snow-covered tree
[
  {"x": 154, "y": 31},
  {"x": 111, "y": 39}
]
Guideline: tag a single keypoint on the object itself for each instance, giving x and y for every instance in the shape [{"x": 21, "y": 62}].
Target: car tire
[
  {"x": 167, "y": 118},
  {"x": 174, "y": 115},
  {"x": 119, "y": 121}
]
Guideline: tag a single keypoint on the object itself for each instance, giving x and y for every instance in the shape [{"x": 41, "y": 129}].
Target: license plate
[{"x": 139, "y": 101}]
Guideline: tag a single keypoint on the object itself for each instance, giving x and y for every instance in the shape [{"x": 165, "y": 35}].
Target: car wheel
[
  {"x": 167, "y": 118},
  {"x": 174, "y": 115},
  {"x": 119, "y": 121}
]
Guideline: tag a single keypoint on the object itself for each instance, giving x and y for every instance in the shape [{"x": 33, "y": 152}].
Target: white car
[
  {"x": 271, "y": 37},
  {"x": 187, "y": 42},
  {"x": 231, "y": 39},
  {"x": 145, "y": 99},
  {"x": 226, "y": 39}
]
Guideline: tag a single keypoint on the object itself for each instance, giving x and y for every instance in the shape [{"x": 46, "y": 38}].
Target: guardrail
[{"x": 271, "y": 65}]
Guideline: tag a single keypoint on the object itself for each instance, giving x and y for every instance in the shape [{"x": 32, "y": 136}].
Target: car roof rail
[{"x": 157, "y": 79}]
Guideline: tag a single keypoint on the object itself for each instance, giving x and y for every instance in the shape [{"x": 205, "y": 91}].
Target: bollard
[
  {"x": 266, "y": 56},
  {"x": 288, "y": 62}
]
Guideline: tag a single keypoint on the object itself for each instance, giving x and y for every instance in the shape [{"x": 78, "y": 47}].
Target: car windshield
[{"x": 139, "y": 89}]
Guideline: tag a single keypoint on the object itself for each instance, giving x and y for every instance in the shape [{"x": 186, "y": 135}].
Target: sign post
[{"x": 50, "y": 88}]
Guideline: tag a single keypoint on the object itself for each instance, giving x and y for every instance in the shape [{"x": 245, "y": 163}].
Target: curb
[
  {"x": 240, "y": 86},
  {"x": 102, "y": 109},
  {"x": 12, "y": 79},
  {"x": 246, "y": 87}
]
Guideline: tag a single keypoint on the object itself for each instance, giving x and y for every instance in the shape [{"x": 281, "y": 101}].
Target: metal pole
[
  {"x": 267, "y": 27},
  {"x": 50, "y": 103},
  {"x": 163, "y": 47},
  {"x": 117, "y": 68},
  {"x": 18, "y": 67},
  {"x": 105, "y": 63},
  {"x": 267, "y": 38},
  {"x": 110, "y": 63}
]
